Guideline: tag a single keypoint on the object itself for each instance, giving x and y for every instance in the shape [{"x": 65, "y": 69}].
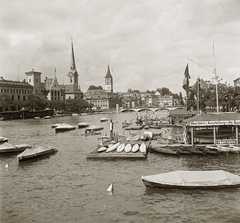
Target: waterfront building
[
  {"x": 53, "y": 90},
  {"x": 152, "y": 100},
  {"x": 34, "y": 79},
  {"x": 131, "y": 99},
  {"x": 165, "y": 100},
  {"x": 236, "y": 82},
  {"x": 16, "y": 91},
  {"x": 72, "y": 90}
]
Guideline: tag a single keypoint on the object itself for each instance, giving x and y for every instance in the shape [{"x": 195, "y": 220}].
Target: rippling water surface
[{"x": 67, "y": 187}]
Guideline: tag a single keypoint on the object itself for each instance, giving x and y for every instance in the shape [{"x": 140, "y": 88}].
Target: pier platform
[{"x": 115, "y": 155}]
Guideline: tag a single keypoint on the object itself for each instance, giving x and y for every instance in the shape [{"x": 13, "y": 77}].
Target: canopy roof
[{"x": 214, "y": 119}]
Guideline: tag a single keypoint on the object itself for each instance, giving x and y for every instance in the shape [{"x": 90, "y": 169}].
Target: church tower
[
  {"x": 73, "y": 74},
  {"x": 72, "y": 89},
  {"x": 108, "y": 81}
]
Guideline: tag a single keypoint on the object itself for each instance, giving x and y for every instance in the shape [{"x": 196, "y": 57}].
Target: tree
[{"x": 37, "y": 103}]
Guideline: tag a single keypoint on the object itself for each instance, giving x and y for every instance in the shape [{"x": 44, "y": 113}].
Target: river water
[{"x": 67, "y": 187}]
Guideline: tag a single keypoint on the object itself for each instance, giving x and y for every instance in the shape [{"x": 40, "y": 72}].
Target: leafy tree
[{"x": 37, "y": 103}]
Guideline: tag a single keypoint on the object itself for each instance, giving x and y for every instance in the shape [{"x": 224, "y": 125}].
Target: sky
[{"x": 147, "y": 44}]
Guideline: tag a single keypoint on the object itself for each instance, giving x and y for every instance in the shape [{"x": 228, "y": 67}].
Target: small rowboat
[
  {"x": 165, "y": 150},
  {"x": 102, "y": 149},
  {"x": 128, "y": 148},
  {"x": 143, "y": 148},
  {"x": 135, "y": 148},
  {"x": 113, "y": 147},
  {"x": 121, "y": 147}
]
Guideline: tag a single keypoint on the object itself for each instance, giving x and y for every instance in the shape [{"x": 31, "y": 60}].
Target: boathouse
[{"x": 212, "y": 128}]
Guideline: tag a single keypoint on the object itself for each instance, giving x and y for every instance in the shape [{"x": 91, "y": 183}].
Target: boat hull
[
  {"x": 37, "y": 155},
  {"x": 158, "y": 185},
  {"x": 193, "y": 180}
]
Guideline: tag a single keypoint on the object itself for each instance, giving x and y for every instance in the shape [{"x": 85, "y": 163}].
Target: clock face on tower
[{"x": 107, "y": 81}]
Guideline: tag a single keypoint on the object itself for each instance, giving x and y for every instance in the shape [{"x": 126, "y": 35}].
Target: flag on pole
[
  {"x": 200, "y": 84},
  {"x": 186, "y": 79}
]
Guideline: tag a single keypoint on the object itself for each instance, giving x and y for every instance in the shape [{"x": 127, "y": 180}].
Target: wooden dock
[{"x": 115, "y": 155}]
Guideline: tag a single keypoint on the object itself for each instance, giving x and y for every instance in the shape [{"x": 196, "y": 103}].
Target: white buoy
[
  {"x": 110, "y": 188},
  {"x": 6, "y": 166}
]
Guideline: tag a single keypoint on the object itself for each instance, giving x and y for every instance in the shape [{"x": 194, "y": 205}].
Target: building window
[{"x": 12, "y": 97}]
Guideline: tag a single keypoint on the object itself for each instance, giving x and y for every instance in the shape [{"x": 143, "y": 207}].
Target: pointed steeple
[
  {"x": 73, "y": 69},
  {"x": 73, "y": 65},
  {"x": 108, "y": 75}
]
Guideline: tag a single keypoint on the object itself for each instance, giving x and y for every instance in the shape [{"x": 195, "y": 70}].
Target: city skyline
[{"x": 147, "y": 44}]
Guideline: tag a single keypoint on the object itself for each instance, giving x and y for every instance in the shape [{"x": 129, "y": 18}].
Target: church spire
[
  {"x": 73, "y": 65},
  {"x": 73, "y": 69},
  {"x": 108, "y": 75}
]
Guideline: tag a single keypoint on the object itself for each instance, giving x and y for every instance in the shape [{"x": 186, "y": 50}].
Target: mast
[
  {"x": 198, "y": 97},
  {"x": 216, "y": 79}
]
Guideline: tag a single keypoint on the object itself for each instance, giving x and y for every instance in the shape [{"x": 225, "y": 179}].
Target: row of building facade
[{"x": 101, "y": 97}]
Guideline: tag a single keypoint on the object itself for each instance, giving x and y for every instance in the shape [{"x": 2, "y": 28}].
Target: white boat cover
[
  {"x": 195, "y": 178},
  {"x": 34, "y": 151},
  {"x": 95, "y": 127},
  {"x": 6, "y": 145},
  {"x": 65, "y": 126}
]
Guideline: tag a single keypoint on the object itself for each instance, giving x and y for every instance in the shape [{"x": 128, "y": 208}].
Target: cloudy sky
[{"x": 147, "y": 43}]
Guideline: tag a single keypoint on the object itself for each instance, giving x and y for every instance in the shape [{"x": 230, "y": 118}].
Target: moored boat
[
  {"x": 47, "y": 117},
  {"x": 193, "y": 180},
  {"x": 65, "y": 127},
  {"x": 7, "y": 148},
  {"x": 3, "y": 139},
  {"x": 128, "y": 148},
  {"x": 121, "y": 147},
  {"x": 83, "y": 125},
  {"x": 94, "y": 128},
  {"x": 134, "y": 127},
  {"x": 36, "y": 152},
  {"x": 126, "y": 123},
  {"x": 57, "y": 124},
  {"x": 165, "y": 150},
  {"x": 103, "y": 119},
  {"x": 135, "y": 148},
  {"x": 113, "y": 147},
  {"x": 234, "y": 149}
]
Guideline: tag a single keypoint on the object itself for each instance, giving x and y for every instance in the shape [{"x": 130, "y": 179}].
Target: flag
[
  {"x": 186, "y": 79},
  {"x": 200, "y": 84}
]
